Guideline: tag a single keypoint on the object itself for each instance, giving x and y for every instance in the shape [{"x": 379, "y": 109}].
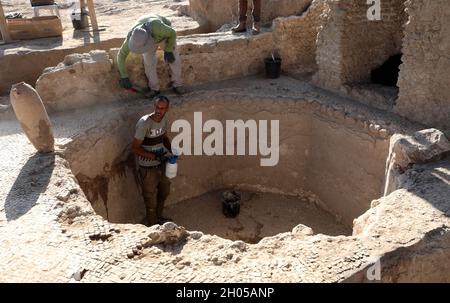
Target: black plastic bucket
[
  {"x": 273, "y": 67},
  {"x": 231, "y": 203}
]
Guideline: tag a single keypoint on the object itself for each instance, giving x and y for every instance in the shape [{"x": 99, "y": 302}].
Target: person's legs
[
  {"x": 256, "y": 28},
  {"x": 163, "y": 192},
  {"x": 150, "y": 65},
  {"x": 242, "y": 26},
  {"x": 256, "y": 10},
  {"x": 243, "y": 5},
  {"x": 175, "y": 70},
  {"x": 149, "y": 181}
]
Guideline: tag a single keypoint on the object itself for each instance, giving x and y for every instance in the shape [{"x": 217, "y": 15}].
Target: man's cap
[{"x": 140, "y": 41}]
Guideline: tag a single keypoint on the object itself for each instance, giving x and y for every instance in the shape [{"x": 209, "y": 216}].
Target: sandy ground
[
  {"x": 19, "y": 159},
  {"x": 115, "y": 17},
  {"x": 262, "y": 215}
]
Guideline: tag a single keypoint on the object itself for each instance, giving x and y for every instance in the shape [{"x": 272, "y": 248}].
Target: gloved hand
[
  {"x": 125, "y": 83},
  {"x": 160, "y": 155},
  {"x": 169, "y": 57}
]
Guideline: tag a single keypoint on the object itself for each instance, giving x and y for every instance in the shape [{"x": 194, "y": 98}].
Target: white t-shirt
[{"x": 152, "y": 134}]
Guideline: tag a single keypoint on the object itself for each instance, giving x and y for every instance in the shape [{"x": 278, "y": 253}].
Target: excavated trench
[{"x": 329, "y": 170}]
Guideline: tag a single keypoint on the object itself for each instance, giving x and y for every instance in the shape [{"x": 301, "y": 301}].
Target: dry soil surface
[{"x": 115, "y": 17}]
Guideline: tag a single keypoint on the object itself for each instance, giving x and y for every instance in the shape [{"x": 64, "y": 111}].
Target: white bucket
[
  {"x": 171, "y": 170},
  {"x": 171, "y": 164}
]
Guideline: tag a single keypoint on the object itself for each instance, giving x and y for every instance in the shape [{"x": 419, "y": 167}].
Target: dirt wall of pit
[
  {"x": 333, "y": 157},
  {"x": 346, "y": 165}
]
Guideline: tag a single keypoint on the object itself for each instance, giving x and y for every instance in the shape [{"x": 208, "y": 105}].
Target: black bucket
[
  {"x": 231, "y": 203},
  {"x": 273, "y": 67}
]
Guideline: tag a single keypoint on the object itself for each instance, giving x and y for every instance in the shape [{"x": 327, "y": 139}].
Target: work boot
[
  {"x": 179, "y": 90},
  {"x": 256, "y": 28},
  {"x": 240, "y": 28}
]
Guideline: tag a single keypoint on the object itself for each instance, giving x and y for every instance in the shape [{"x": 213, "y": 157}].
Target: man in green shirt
[{"x": 150, "y": 32}]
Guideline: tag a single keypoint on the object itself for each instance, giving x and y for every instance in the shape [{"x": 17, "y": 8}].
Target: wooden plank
[
  {"x": 82, "y": 4},
  {"x": 3, "y": 26},
  {"x": 92, "y": 15}
]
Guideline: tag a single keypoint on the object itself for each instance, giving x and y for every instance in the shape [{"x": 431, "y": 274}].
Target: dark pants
[
  {"x": 155, "y": 189},
  {"x": 243, "y": 6}
]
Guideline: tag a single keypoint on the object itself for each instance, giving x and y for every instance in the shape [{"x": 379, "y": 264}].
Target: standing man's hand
[
  {"x": 125, "y": 83},
  {"x": 169, "y": 57},
  {"x": 151, "y": 156}
]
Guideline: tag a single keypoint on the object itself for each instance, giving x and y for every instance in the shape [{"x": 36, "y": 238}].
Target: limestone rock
[
  {"x": 196, "y": 235},
  {"x": 302, "y": 230},
  {"x": 421, "y": 147},
  {"x": 239, "y": 245},
  {"x": 168, "y": 233}
]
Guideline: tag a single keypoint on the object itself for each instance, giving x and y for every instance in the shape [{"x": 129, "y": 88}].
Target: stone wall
[
  {"x": 208, "y": 58},
  {"x": 329, "y": 48},
  {"x": 215, "y": 13},
  {"x": 368, "y": 44},
  {"x": 295, "y": 38},
  {"x": 351, "y": 46},
  {"x": 220, "y": 56},
  {"x": 424, "y": 76}
]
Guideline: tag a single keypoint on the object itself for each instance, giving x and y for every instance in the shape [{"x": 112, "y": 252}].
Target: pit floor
[{"x": 261, "y": 215}]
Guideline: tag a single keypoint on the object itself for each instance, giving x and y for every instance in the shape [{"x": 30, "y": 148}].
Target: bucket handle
[{"x": 273, "y": 57}]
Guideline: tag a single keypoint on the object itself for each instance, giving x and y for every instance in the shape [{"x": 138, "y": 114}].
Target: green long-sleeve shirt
[{"x": 161, "y": 30}]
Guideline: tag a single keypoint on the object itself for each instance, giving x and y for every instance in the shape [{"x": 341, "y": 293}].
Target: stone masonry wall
[
  {"x": 295, "y": 38},
  {"x": 350, "y": 45},
  {"x": 424, "y": 76},
  {"x": 368, "y": 44},
  {"x": 329, "y": 48},
  {"x": 207, "y": 58}
]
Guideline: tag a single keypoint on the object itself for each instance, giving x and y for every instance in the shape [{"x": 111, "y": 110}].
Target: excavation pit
[{"x": 330, "y": 168}]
